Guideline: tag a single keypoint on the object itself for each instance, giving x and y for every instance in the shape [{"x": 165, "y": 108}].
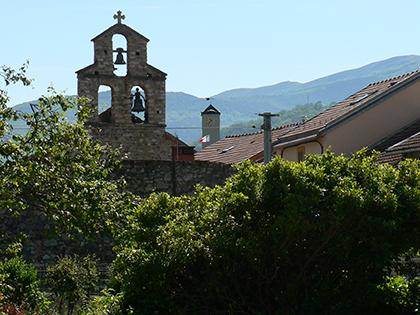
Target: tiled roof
[
  {"x": 351, "y": 104},
  {"x": 398, "y": 136},
  {"x": 234, "y": 149},
  {"x": 390, "y": 157},
  {"x": 409, "y": 144},
  {"x": 396, "y": 152}
]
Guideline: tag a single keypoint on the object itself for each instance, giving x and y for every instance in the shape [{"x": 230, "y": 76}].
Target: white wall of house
[
  {"x": 292, "y": 153},
  {"x": 379, "y": 121}
]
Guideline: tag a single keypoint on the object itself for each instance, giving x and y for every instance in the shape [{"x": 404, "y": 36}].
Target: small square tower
[{"x": 210, "y": 123}]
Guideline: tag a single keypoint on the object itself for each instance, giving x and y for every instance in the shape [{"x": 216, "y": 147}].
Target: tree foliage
[
  {"x": 288, "y": 238},
  {"x": 317, "y": 237},
  {"x": 56, "y": 168},
  {"x": 72, "y": 280},
  {"x": 20, "y": 291}
]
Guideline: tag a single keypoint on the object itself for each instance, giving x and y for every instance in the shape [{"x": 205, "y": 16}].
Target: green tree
[
  {"x": 56, "y": 168},
  {"x": 72, "y": 280},
  {"x": 288, "y": 238}
]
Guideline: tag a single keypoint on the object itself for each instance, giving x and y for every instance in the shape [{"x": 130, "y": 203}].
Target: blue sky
[{"x": 210, "y": 46}]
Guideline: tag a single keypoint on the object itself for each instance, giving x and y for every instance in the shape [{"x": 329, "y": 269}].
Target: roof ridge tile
[
  {"x": 260, "y": 131},
  {"x": 404, "y": 75}
]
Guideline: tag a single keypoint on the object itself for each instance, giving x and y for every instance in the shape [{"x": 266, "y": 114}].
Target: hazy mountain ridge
[{"x": 241, "y": 105}]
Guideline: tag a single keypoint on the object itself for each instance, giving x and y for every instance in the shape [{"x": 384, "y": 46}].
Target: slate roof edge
[
  {"x": 211, "y": 110},
  {"x": 296, "y": 141},
  {"x": 181, "y": 143},
  {"x": 287, "y": 139},
  {"x": 153, "y": 68},
  {"x": 85, "y": 68}
]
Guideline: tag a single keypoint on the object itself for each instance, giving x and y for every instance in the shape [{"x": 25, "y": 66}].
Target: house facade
[{"x": 361, "y": 120}]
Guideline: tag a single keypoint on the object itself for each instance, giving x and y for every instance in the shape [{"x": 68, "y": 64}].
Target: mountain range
[{"x": 241, "y": 105}]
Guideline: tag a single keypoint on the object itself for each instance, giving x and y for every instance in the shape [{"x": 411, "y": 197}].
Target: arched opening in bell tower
[
  {"x": 119, "y": 54},
  {"x": 104, "y": 103},
  {"x": 138, "y": 105}
]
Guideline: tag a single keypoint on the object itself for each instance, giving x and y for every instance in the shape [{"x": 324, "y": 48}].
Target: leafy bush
[
  {"x": 72, "y": 280},
  {"x": 19, "y": 287},
  {"x": 401, "y": 291},
  {"x": 287, "y": 238},
  {"x": 108, "y": 303},
  {"x": 402, "y": 295}
]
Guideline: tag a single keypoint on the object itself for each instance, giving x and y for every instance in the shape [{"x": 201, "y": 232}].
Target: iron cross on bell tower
[{"x": 119, "y": 17}]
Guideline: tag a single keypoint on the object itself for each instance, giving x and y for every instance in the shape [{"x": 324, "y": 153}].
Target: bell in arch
[
  {"x": 120, "y": 57},
  {"x": 137, "y": 102}
]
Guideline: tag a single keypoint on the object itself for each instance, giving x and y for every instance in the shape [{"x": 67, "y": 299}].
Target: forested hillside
[{"x": 239, "y": 107}]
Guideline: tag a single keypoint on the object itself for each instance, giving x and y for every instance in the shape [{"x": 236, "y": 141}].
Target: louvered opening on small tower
[
  {"x": 138, "y": 102},
  {"x": 104, "y": 103},
  {"x": 119, "y": 54}
]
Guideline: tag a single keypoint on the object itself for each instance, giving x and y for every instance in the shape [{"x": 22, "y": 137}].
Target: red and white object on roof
[{"x": 204, "y": 139}]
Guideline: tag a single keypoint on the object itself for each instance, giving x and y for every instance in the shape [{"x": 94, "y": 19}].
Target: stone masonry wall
[
  {"x": 176, "y": 178},
  {"x": 42, "y": 247},
  {"x": 136, "y": 140}
]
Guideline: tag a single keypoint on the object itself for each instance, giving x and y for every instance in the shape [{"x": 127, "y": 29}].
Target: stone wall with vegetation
[
  {"x": 42, "y": 246},
  {"x": 173, "y": 177}
]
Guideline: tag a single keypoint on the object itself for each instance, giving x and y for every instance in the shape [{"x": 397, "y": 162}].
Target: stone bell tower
[{"x": 135, "y": 119}]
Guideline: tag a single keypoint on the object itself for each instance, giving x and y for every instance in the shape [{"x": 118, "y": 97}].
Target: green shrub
[
  {"x": 72, "y": 280},
  {"x": 401, "y": 291},
  {"x": 286, "y": 238},
  {"x": 19, "y": 287},
  {"x": 107, "y": 303},
  {"x": 402, "y": 295}
]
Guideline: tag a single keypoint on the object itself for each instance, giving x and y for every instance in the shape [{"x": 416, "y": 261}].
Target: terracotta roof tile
[
  {"x": 237, "y": 148},
  {"x": 395, "y": 153},
  {"x": 352, "y": 103},
  {"x": 390, "y": 157},
  {"x": 398, "y": 136},
  {"x": 410, "y": 144},
  {"x": 234, "y": 149}
]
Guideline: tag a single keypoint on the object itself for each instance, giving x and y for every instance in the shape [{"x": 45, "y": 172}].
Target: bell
[
  {"x": 138, "y": 106},
  {"x": 120, "y": 58}
]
